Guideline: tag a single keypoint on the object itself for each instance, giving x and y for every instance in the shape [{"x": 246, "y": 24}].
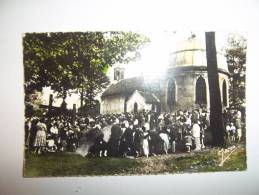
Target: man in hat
[
  {"x": 114, "y": 142},
  {"x": 128, "y": 139},
  {"x": 137, "y": 140}
]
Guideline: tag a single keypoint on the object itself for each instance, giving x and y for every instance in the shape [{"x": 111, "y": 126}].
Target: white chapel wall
[
  {"x": 113, "y": 104},
  {"x": 137, "y": 98}
]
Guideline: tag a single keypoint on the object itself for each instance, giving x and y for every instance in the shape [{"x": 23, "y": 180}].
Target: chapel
[{"x": 184, "y": 86}]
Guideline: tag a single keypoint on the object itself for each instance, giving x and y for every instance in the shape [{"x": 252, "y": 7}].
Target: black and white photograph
[
  {"x": 129, "y": 97},
  {"x": 134, "y": 103}
]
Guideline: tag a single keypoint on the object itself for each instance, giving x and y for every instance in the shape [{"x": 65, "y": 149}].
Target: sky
[{"x": 155, "y": 55}]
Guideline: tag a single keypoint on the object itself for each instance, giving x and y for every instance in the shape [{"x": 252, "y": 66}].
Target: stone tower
[{"x": 186, "y": 83}]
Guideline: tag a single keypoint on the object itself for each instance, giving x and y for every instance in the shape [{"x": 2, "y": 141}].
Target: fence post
[
  {"x": 50, "y": 102},
  {"x": 173, "y": 147}
]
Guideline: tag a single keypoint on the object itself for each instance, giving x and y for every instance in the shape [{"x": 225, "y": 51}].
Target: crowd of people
[{"x": 128, "y": 134}]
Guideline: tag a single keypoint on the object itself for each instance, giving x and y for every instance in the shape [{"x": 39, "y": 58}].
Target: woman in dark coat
[{"x": 33, "y": 132}]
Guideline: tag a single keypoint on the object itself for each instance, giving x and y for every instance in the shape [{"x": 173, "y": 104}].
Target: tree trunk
[
  {"x": 216, "y": 121},
  {"x": 64, "y": 94},
  {"x": 81, "y": 98},
  {"x": 64, "y": 104}
]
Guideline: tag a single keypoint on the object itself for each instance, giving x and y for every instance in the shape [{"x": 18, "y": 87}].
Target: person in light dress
[{"x": 40, "y": 139}]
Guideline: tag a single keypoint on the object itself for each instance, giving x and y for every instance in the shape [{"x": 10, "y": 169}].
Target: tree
[
  {"x": 35, "y": 55},
  {"x": 216, "y": 121},
  {"x": 76, "y": 62},
  {"x": 235, "y": 53}
]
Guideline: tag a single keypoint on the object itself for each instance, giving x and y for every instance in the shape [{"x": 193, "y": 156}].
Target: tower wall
[{"x": 185, "y": 82}]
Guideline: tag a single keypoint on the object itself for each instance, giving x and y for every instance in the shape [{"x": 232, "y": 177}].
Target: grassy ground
[{"x": 69, "y": 164}]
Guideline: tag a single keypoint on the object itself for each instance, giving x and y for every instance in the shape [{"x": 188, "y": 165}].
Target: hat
[
  {"x": 91, "y": 120},
  {"x": 82, "y": 120},
  {"x": 160, "y": 116}
]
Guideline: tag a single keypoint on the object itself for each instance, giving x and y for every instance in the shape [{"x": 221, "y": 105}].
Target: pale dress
[
  {"x": 40, "y": 139},
  {"x": 41, "y": 136},
  {"x": 145, "y": 144},
  {"x": 196, "y": 134}
]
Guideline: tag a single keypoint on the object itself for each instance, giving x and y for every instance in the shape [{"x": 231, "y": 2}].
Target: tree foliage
[
  {"x": 76, "y": 61},
  {"x": 236, "y": 58}
]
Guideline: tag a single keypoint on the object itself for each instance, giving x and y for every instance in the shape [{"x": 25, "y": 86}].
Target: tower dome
[{"x": 192, "y": 53}]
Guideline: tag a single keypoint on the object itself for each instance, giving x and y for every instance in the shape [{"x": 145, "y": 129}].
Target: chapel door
[{"x": 135, "y": 107}]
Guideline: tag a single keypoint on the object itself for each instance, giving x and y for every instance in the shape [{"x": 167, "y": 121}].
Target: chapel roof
[
  {"x": 125, "y": 87},
  {"x": 149, "y": 97}
]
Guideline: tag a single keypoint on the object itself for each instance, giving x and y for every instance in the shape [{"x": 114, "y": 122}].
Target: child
[
  {"x": 232, "y": 132},
  {"x": 51, "y": 146},
  {"x": 188, "y": 141},
  {"x": 228, "y": 132}
]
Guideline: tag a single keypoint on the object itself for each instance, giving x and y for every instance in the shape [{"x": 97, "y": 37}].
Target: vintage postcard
[{"x": 134, "y": 103}]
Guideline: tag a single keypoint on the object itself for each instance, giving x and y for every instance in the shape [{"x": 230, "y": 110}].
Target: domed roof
[{"x": 192, "y": 52}]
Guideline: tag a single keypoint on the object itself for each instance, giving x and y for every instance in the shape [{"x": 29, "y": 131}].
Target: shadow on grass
[{"x": 70, "y": 164}]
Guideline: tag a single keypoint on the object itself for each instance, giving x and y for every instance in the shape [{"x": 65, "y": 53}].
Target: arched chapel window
[
  {"x": 171, "y": 94},
  {"x": 201, "y": 93},
  {"x": 224, "y": 91}
]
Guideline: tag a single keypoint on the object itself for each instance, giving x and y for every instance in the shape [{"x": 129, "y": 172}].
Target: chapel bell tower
[{"x": 118, "y": 73}]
